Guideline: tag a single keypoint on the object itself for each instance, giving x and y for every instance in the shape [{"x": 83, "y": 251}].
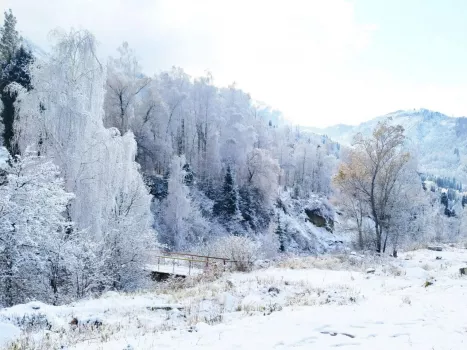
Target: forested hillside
[
  {"x": 104, "y": 163},
  {"x": 164, "y": 185},
  {"x": 107, "y": 162},
  {"x": 439, "y": 141}
]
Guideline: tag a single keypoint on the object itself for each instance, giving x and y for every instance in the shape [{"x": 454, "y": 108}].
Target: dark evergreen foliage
[
  {"x": 158, "y": 186},
  {"x": 14, "y": 69},
  {"x": 189, "y": 175},
  {"x": 255, "y": 213},
  {"x": 226, "y": 206},
  {"x": 281, "y": 234},
  {"x": 443, "y": 182},
  {"x": 444, "y": 199}
]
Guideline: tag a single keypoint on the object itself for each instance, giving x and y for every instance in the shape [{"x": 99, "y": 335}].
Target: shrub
[{"x": 242, "y": 250}]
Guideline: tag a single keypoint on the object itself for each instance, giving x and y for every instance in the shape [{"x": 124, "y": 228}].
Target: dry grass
[
  {"x": 338, "y": 262},
  {"x": 202, "y": 301}
]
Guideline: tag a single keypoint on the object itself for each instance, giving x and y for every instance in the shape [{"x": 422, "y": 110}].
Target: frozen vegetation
[
  {"x": 413, "y": 302},
  {"x": 104, "y": 169}
]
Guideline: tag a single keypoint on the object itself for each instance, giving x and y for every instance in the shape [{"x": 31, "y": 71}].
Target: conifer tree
[
  {"x": 444, "y": 199},
  {"x": 281, "y": 234},
  {"x": 10, "y": 39},
  {"x": 14, "y": 66},
  {"x": 226, "y": 207}
]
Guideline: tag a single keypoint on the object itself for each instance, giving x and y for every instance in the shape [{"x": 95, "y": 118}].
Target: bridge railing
[{"x": 178, "y": 263}]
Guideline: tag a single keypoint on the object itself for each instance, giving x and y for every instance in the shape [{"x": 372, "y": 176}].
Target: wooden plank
[
  {"x": 183, "y": 259},
  {"x": 199, "y": 256}
]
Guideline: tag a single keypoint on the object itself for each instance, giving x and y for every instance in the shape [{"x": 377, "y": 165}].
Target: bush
[{"x": 241, "y": 250}]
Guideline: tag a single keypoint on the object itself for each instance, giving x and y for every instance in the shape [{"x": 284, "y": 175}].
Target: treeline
[
  {"x": 106, "y": 163},
  {"x": 443, "y": 182}
]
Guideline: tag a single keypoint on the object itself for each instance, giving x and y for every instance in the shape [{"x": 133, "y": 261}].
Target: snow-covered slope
[
  {"x": 301, "y": 234},
  {"x": 3, "y": 157},
  {"x": 341, "y": 301},
  {"x": 439, "y": 141}
]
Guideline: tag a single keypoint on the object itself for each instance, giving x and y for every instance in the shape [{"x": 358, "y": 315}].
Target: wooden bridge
[{"x": 176, "y": 264}]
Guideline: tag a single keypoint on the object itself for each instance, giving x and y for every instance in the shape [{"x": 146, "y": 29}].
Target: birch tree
[
  {"x": 124, "y": 82},
  {"x": 33, "y": 232}
]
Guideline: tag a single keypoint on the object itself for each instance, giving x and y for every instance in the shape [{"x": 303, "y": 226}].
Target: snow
[
  {"x": 320, "y": 303},
  {"x": 301, "y": 234},
  {"x": 8, "y": 332},
  {"x": 433, "y": 136},
  {"x": 3, "y": 157}
]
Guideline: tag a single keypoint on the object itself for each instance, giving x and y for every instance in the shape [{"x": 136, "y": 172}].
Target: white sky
[{"x": 304, "y": 57}]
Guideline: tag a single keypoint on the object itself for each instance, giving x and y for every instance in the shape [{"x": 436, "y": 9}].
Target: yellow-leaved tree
[{"x": 370, "y": 179}]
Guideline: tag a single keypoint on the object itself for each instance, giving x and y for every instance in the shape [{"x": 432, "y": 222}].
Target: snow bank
[
  {"x": 8, "y": 333},
  {"x": 3, "y": 157},
  {"x": 322, "y": 303}
]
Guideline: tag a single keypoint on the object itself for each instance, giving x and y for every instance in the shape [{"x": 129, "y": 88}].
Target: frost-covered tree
[
  {"x": 409, "y": 211},
  {"x": 124, "y": 82},
  {"x": 374, "y": 170},
  {"x": 63, "y": 118},
  {"x": 182, "y": 225},
  {"x": 33, "y": 232},
  {"x": 177, "y": 206},
  {"x": 263, "y": 173},
  {"x": 128, "y": 234},
  {"x": 281, "y": 234},
  {"x": 226, "y": 206},
  {"x": 9, "y": 37},
  {"x": 15, "y": 60}
]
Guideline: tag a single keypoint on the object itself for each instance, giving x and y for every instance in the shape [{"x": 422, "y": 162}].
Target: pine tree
[
  {"x": 9, "y": 37},
  {"x": 246, "y": 209},
  {"x": 189, "y": 175},
  {"x": 226, "y": 207},
  {"x": 255, "y": 213},
  {"x": 444, "y": 199},
  {"x": 281, "y": 234},
  {"x": 14, "y": 65},
  {"x": 16, "y": 71}
]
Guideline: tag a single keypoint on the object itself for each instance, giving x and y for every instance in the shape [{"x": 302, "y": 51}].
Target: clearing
[{"x": 416, "y": 301}]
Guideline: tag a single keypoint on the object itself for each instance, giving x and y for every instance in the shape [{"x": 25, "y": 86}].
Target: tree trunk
[
  {"x": 378, "y": 237},
  {"x": 360, "y": 239},
  {"x": 385, "y": 241},
  {"x": 374, "y": 212}
]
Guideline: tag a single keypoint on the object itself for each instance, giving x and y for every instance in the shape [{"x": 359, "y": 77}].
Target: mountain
[{"x": 439, "y": 141}]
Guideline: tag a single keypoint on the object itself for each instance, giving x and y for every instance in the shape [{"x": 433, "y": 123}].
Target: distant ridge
[{"x": 440, "y": 141}]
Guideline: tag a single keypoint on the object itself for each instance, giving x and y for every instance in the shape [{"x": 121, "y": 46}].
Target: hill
[{"x": 439, "y": 141}]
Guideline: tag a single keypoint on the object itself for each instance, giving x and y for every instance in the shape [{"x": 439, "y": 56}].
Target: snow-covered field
[{"x": 304, "y": 303}]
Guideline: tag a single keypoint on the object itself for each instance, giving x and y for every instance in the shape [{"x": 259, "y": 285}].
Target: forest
[{"x": 103, "y": 163}]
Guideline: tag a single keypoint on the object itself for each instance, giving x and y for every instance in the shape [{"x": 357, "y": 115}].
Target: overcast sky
[{"x": 321, "y": 62}]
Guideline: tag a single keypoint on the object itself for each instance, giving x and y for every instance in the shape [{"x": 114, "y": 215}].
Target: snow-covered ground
[{"x": 413, "y": 302}]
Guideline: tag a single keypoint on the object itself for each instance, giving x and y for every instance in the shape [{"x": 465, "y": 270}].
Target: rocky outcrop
[{"x": 317, "y": 218}]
